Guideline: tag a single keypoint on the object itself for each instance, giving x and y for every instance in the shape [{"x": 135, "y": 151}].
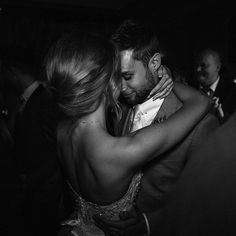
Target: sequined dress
[{"x": 82, "y": 219}]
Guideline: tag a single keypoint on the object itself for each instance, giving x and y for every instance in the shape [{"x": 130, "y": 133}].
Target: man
[
  {"x": 214, "y": 84},
  {"x": 140, "y": 61},
  {"x": 35, "y": 149}
]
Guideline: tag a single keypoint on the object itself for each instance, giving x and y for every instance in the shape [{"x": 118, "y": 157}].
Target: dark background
[{"x": 184, "y": 27}]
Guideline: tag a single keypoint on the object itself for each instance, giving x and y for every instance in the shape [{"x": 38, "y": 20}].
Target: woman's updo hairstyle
[{"x": 81, "y": 68}]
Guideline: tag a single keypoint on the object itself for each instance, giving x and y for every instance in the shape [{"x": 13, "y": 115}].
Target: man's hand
[
  {"x": 131, "y": 223},
  {"x": 165, "y": 85}
]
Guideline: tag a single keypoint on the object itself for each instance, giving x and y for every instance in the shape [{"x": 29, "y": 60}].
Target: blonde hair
[{"x": 81, "y": 68}]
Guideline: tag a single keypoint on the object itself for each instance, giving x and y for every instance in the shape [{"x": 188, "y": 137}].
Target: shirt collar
[
  {"x": 29, "y": 90},
  {"x": 214, "y": 85},
  {"x": 149, "y": 105}
]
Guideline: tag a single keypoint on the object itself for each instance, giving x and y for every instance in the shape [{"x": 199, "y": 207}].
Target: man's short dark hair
[{"x": 137, "y": 36}]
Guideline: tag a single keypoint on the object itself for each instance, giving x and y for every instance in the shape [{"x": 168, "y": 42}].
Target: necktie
[{"x": 208, "y": 91}]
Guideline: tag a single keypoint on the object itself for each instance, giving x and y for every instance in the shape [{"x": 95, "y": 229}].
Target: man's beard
[{"x": 143, "y": 93}]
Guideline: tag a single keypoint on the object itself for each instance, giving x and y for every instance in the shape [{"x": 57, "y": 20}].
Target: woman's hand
[{"x": 165, "y": 85}]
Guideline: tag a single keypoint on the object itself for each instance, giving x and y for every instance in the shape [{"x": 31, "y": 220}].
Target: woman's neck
[{"x": 96, "y": 118}]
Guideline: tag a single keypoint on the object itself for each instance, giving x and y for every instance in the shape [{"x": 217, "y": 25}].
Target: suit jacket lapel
[
  {"x": 219, "y": 88},
  {"x": 222, "y": 89},
  {"x": 127, "y": 123},
  {"x": 169, "y": 106},
  {"x": 122, "y": 127}
]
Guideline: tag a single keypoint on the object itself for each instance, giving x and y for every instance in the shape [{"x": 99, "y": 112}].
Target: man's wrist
[{"x": 147, "y": 224}]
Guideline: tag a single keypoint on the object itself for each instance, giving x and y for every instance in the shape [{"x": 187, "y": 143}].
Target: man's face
[
  {"x": 207, "y": 70},
  {"x": 137, "y": 81}
]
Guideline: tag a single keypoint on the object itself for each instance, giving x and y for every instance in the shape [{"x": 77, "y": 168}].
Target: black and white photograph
[{"x": 117, "y": 118}]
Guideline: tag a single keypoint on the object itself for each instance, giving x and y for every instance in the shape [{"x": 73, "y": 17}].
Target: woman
[{"x": 103, "y": 171}]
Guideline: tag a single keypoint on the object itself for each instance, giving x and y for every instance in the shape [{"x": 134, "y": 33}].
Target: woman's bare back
[{"x": 86, "y": 168}]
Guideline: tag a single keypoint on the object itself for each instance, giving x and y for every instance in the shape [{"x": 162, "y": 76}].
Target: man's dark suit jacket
[
  {"x": 203, "y": 202},
  {"x": 36, "y": 152},
  {"x": 161, "y": 174},
  {"x": 226, "y": 91}
]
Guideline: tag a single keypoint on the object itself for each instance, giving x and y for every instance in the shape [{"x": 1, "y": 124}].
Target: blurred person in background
[
  {"x": 35, "y": 151},
  {"x": 213, "y": 83}
]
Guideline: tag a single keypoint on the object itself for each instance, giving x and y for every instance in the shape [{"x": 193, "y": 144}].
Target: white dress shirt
[
  {"x": 214, "y": 85},
  {"x": 145, "y": 113}
]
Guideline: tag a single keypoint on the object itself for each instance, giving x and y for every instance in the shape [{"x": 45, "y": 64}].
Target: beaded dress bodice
[{"x": 82, "y": 219}]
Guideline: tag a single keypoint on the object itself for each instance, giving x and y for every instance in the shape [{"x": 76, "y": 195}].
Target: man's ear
[{"x": 154, "y": 63}]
